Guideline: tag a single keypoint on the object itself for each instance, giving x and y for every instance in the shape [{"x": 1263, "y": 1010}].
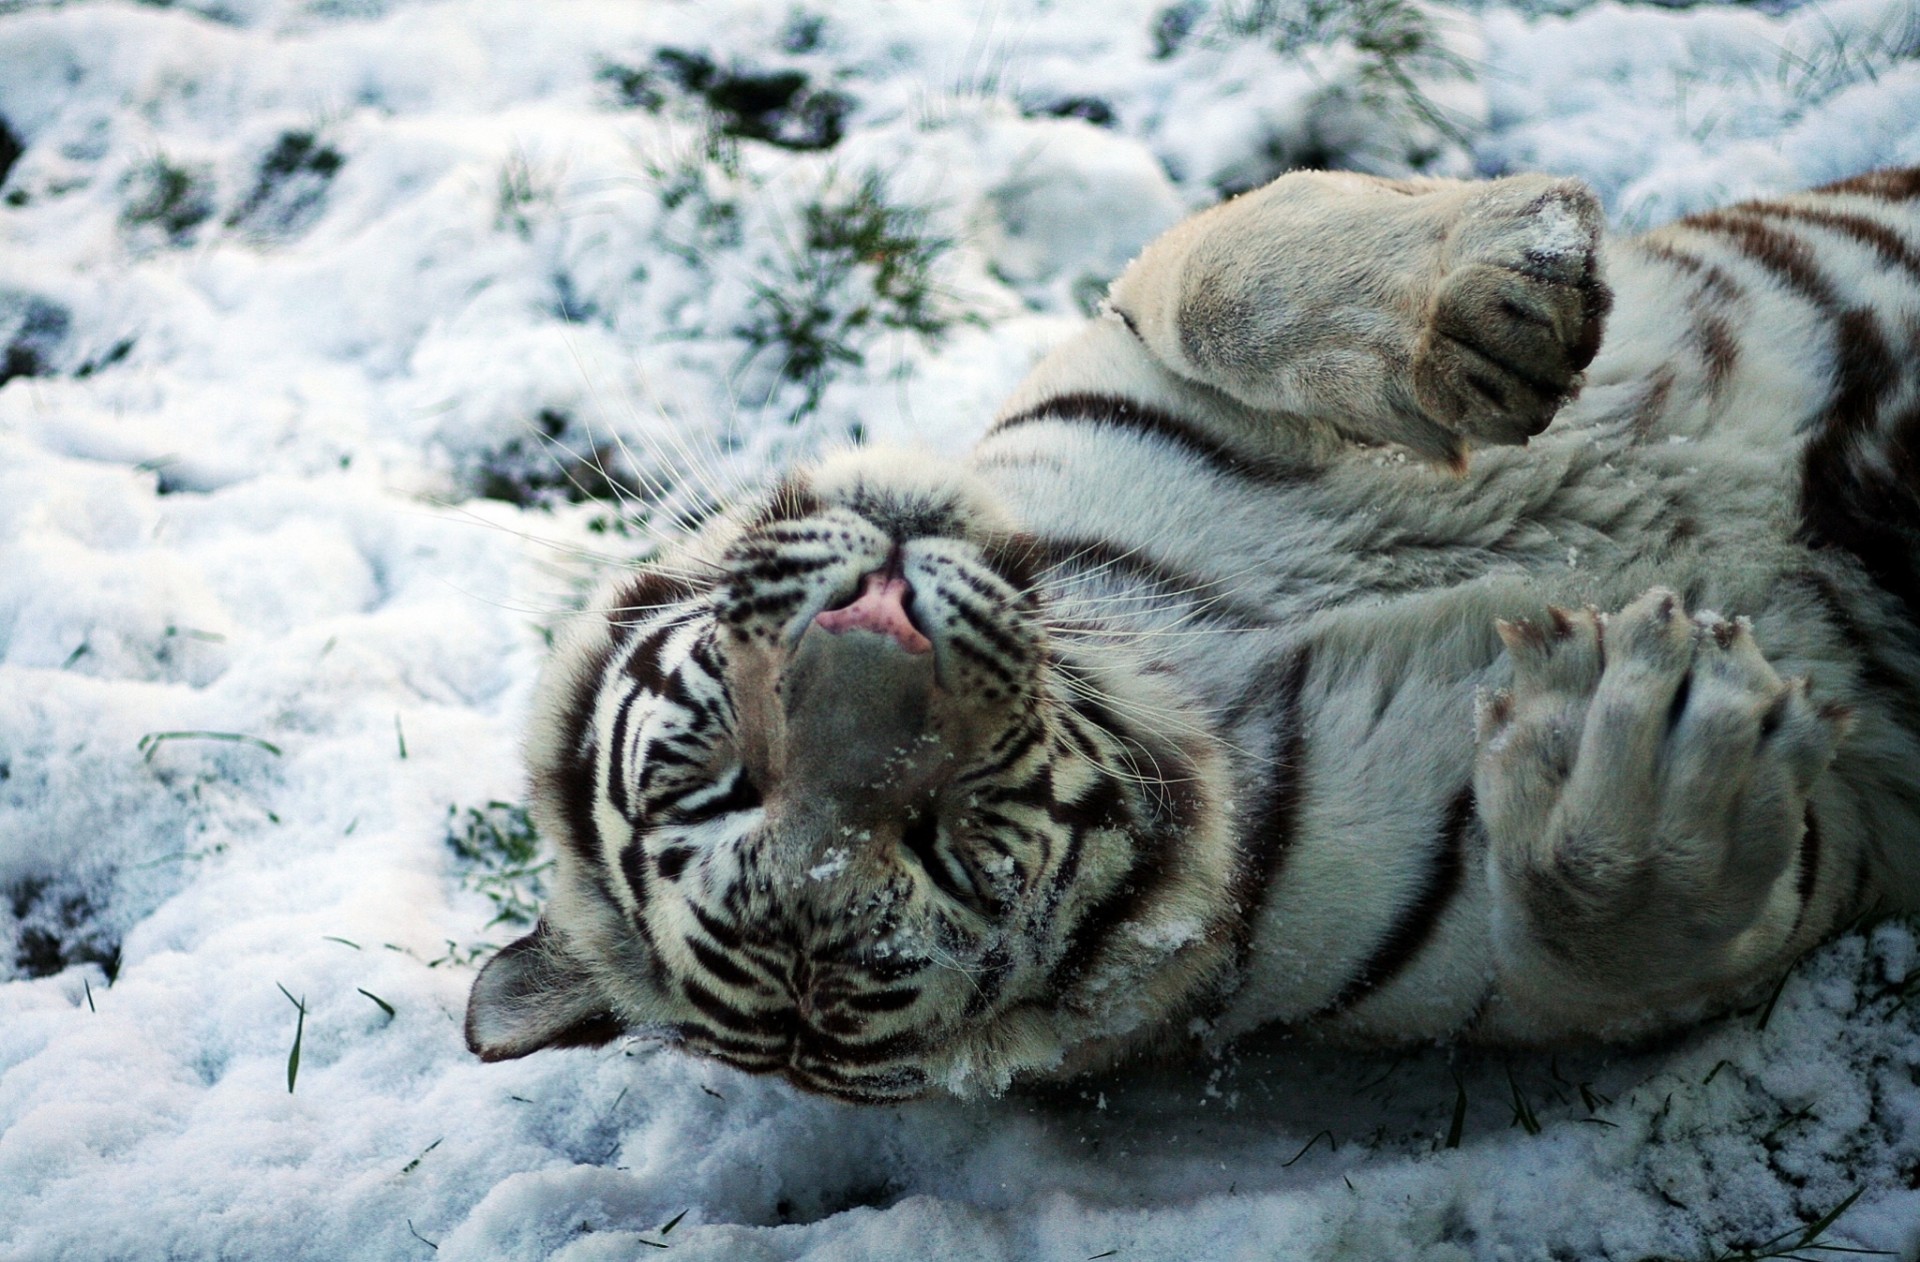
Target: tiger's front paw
[
  {"x": 1645, "y": 783},
  {"x": 1514, "y": 324}
]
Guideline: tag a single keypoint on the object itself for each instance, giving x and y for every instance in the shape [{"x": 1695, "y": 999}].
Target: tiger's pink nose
[{"x": 881, "y": 607}]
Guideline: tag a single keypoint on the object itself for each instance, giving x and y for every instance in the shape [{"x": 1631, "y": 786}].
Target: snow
[{"x": 297, "y": 286}]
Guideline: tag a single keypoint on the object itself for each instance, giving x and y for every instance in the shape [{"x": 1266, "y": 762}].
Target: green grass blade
[
  {"x": 1459, "y": 1122},
  {"x": 299, "y": 1032},
  {"x": 151, "y": 742}
]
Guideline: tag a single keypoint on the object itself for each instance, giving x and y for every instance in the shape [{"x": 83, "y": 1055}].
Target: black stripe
[
  {"x": 1865, "y": 502},
  {"x": 1015, "y": 745},
  {"x": 981, "y": 622},
  {"x": 883, "y": 1087},
  {"x": 1148, "y": 870},
  {"x": 789, "y": 500},
  {"x": 574, "y": 783},
  {"x": 1864, "y": 366},
  {"x": 816, "y": 1046},
  {"x": 661, "y": 759},
  {"x": 741, "y": 795},
  {"x": 1011, "y": 559},
  {"x": 633, "y": 866},
  {"x": 986, "y": 661},
  {"x": 1712, "y": 331},
  {"x": 1890, "y": 245},
  {"x": 672, "y": 861},
  {"x": 1114, "y": 412},
  {"x": 1898, "y": 694},
  {"x": 891, "y": 1000},
  {"x": 920, "y": 837},
  {"x": 774, "y": 1023},
  {"x": 989, "y": 982},
  {"x": 722, "y": 933},
  {"x": 1416, "y": 922},
  {"x": 1809, "y": 874},
  {"x": 1897, "y": 185},
  {"x": 772, "y": 567},
  {"x": 643, "y": 663},
  {"x": 1271, "y": 826},
  {"x": 1862, "y": 495},
  {"x": 617, "y": 756},
  {"x": 741, "y": 610},
  {"x": 647, "y": 592},
  {"x": 760, "y": 1056},
  {"x": 720, "y": 966}
]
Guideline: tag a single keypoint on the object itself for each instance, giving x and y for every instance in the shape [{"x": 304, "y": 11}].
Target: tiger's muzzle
[{"x": 858, "y": 693}]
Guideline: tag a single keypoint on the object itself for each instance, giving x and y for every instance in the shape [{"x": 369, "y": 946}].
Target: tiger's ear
[{"x": 534, "y": 995}]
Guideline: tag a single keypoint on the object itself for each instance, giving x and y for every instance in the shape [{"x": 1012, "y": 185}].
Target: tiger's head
[{"x": 832, "y": 798}]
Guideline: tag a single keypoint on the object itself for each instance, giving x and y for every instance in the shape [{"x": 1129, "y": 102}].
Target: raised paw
[
  {"x": 1645, "y": 784},
  {"x": 1434, "y": 314},
  {"x": 1518, "y": 319}
]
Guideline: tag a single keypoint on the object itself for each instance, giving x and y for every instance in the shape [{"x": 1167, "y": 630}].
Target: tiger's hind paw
[{"x": 1645, "y": 784}]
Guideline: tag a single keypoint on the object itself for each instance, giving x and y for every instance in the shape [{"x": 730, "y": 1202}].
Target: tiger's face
[{"x": 820, "y": 808}]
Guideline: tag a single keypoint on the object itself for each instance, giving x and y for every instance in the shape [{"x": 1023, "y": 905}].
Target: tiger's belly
[{"x": 1331, "y": 630}]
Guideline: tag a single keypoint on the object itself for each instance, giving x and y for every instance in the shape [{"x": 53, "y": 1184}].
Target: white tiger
[{"x": 1190, "y": 704}]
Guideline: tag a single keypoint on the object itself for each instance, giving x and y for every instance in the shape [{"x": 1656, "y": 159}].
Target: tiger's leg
[
  {"x": 1433, "y": 313},
  {"x": 1645, "y": 787}
]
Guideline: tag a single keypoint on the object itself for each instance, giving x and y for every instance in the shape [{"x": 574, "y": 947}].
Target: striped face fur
[
  {"x": 1392, "y": 619},
  {"x": 823, "y": 811}
]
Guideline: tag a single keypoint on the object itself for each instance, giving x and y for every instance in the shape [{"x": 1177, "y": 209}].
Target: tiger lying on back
[{"x": 1190, "y": 704}]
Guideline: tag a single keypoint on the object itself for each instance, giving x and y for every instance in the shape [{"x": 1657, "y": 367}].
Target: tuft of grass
[
  {"x": 290, "y": 184},
  {"x": 776, "y": 107},
  {"x": 299, "y": 1032},
  {"x": 32, "y": 333},
  {"x": 1174, "y": 25},
  {"x": 383, "y": 1004},
  {"x": 502, "y": 857},
  {"x": 172, "y": 197},
  {"x": 1395, "y": 44},
  {"x": 699, "y": 185},
  {"x": 1837, "y": 57},
  {"x": 803, "y": 32},
  {"x": 59, "y": 924},
  {"x": 1459, "y": 1122},
  {"x": 555, "y": 463},
  {"x": 521, "y": 190},
  {"x": 862, "y": 264},
  {"x": 1088, "y": 109}
]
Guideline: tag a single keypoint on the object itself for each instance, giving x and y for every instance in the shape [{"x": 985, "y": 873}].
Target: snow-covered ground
[{"x": 313, "y": 313}]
